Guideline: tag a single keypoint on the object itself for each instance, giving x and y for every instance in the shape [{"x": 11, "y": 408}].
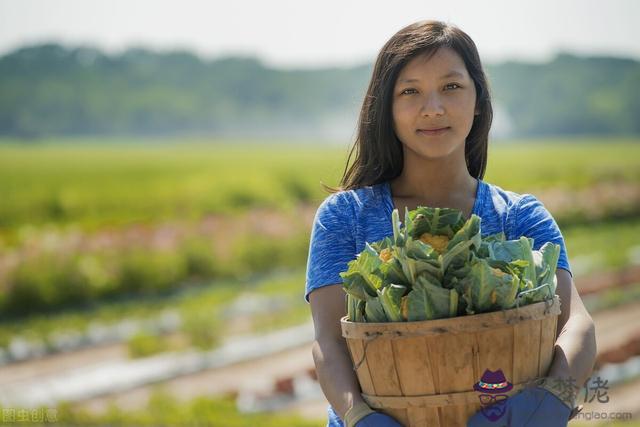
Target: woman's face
[{"x": 434, "y": 104}]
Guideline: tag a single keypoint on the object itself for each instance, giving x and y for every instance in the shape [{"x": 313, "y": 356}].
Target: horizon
[
  {"x": 209, "y": 59},
  {"x": 287, "y": 35}
]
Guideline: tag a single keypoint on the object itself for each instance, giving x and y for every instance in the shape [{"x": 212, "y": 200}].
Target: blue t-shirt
[{"x": 346, "y": 220}]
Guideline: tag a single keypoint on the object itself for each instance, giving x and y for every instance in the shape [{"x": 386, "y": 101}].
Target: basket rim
[{"x": 467, "y": 323}]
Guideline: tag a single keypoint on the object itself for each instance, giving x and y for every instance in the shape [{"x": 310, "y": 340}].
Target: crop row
[
  {"x": 55, "y": 276},
  {"x": 54, "y": 271},
  {"x": 193, "y": 317}
]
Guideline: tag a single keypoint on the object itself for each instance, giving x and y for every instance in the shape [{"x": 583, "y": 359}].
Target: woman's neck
[{"x": 438, "y": 183}]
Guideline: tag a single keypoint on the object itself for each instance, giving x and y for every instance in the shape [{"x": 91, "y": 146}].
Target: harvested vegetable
[{"x": 438, "y": 266}]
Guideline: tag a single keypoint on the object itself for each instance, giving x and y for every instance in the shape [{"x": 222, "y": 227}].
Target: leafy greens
[{"x": 439, "y": 266}]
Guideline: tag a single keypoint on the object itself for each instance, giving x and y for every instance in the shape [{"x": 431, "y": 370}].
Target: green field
[
  {"x": 56, "y": 191},
  {"x": 94, "y": 185},
  {"x": 91, "y": 185}
]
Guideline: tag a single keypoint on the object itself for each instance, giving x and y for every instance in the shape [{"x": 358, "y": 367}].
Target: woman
[{"x": 422, "y": 141}]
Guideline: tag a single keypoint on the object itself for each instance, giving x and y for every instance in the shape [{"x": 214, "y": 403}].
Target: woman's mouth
[{"x": 433, "y": 132}]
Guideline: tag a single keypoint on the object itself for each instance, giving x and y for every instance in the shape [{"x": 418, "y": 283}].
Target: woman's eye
[{"x": 448, "y": 86}]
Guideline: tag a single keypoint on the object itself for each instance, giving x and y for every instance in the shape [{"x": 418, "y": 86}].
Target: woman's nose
[{"x": 432, "y": 105}]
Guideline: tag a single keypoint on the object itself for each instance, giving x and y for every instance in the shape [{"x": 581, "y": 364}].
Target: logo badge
[{"x": 493, "y": 387}]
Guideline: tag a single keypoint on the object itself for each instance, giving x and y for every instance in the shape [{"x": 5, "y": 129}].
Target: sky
[{"x": 327, "y": 33}]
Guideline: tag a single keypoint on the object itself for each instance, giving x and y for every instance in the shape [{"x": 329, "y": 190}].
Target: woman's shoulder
[
  {"x": 503, "y": 209},
  {"x": 353, "y": 206},
  {"x": 519, "y": 211},
  {"x": 506, "y": 201},
  {"x": 355, "y": 199}
]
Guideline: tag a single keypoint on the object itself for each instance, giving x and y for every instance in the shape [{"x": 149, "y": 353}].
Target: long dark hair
[{"x": 378, "y": 152}]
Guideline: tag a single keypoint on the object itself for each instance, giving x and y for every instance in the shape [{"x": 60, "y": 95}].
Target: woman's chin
[{"x": 432, "y": 151}]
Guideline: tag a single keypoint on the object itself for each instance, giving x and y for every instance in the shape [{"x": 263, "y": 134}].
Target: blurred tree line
[{"x": 50, "y": 89}]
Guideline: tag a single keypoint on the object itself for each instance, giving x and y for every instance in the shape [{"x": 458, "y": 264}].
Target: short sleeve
[
  {"x": 332, "y": 243},
  {"x": 535, "y": 221}
]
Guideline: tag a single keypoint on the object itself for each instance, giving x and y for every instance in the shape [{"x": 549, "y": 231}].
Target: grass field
[
  {"x": 92, "y": 185},
  {"x": 95, "y": 184}
]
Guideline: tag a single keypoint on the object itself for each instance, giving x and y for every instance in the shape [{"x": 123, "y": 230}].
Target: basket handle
[
  {"x": 548, "y": 301},
  {"x": 370, "y": 336}
]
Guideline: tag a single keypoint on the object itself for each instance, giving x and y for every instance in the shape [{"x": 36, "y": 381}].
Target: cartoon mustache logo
[
  {"x": 494, "y": 411},
  {"x": 493, "y": 386}
]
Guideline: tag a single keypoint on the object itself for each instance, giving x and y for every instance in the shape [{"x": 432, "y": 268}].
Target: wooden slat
[
  {"x": 431, "y": 344},
  {"x": 416, "y": 375},
  {"x": 455, "y": 371},
  {"x": 496, "y": 352},
  {"x": 385, "y": 379},
  {"x": 356, "y": 348},
  {"x": 547, "y": 344},
  {"x": 526, "y": 351}
]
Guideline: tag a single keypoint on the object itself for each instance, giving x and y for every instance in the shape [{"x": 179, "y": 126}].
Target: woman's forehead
[{"x": 441, "y": 64}]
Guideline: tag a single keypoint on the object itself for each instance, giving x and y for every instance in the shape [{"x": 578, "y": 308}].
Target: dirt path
[
  {"x": 613, "y": 328},
  {"x": 42, "y": 367},
  {"x": 256, "y": 375}
]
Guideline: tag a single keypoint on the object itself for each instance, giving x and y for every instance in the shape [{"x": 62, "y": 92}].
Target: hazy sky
[{"x": 329, "y": 32}]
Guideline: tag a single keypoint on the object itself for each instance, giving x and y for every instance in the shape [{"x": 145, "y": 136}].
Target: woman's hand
[
  {"x": 531, "y": 407},
  {"x": 361, "y": 415},
  {"x": 377, "y": 419}
]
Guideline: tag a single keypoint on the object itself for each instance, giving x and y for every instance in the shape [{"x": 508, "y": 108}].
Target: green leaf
[
  {"x": 373, "y": 310},
  {"x": 546, "y": 262},
  {"x": 427, "y": 301},
  {"x": 436, "y": 221},
  {"x": 360, "y": 279},
  {"x": 489, "y": 288},
  {"x": 355, "y": 309},
  {"x": 391, "y": 299},
  {"x": 398, "y": 236},
  {"x": 417, "y": 259},
  {"x": 512, "y": 250},
  {"x": 463, "y": 242}
]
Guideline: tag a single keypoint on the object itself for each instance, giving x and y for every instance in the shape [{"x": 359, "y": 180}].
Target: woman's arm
[
  {"x": 330, "y": 354},
  {"x": 575, "y": 349},
  {"x": 551, "y": 402}
]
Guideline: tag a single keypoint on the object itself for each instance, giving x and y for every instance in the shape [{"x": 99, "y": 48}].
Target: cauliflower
[
  {"x": 439, "y": 243},
  {"x": 385, "y": 255}
]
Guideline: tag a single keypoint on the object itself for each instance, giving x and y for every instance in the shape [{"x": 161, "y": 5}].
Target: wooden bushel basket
[{"x": 423, "y": 373}]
